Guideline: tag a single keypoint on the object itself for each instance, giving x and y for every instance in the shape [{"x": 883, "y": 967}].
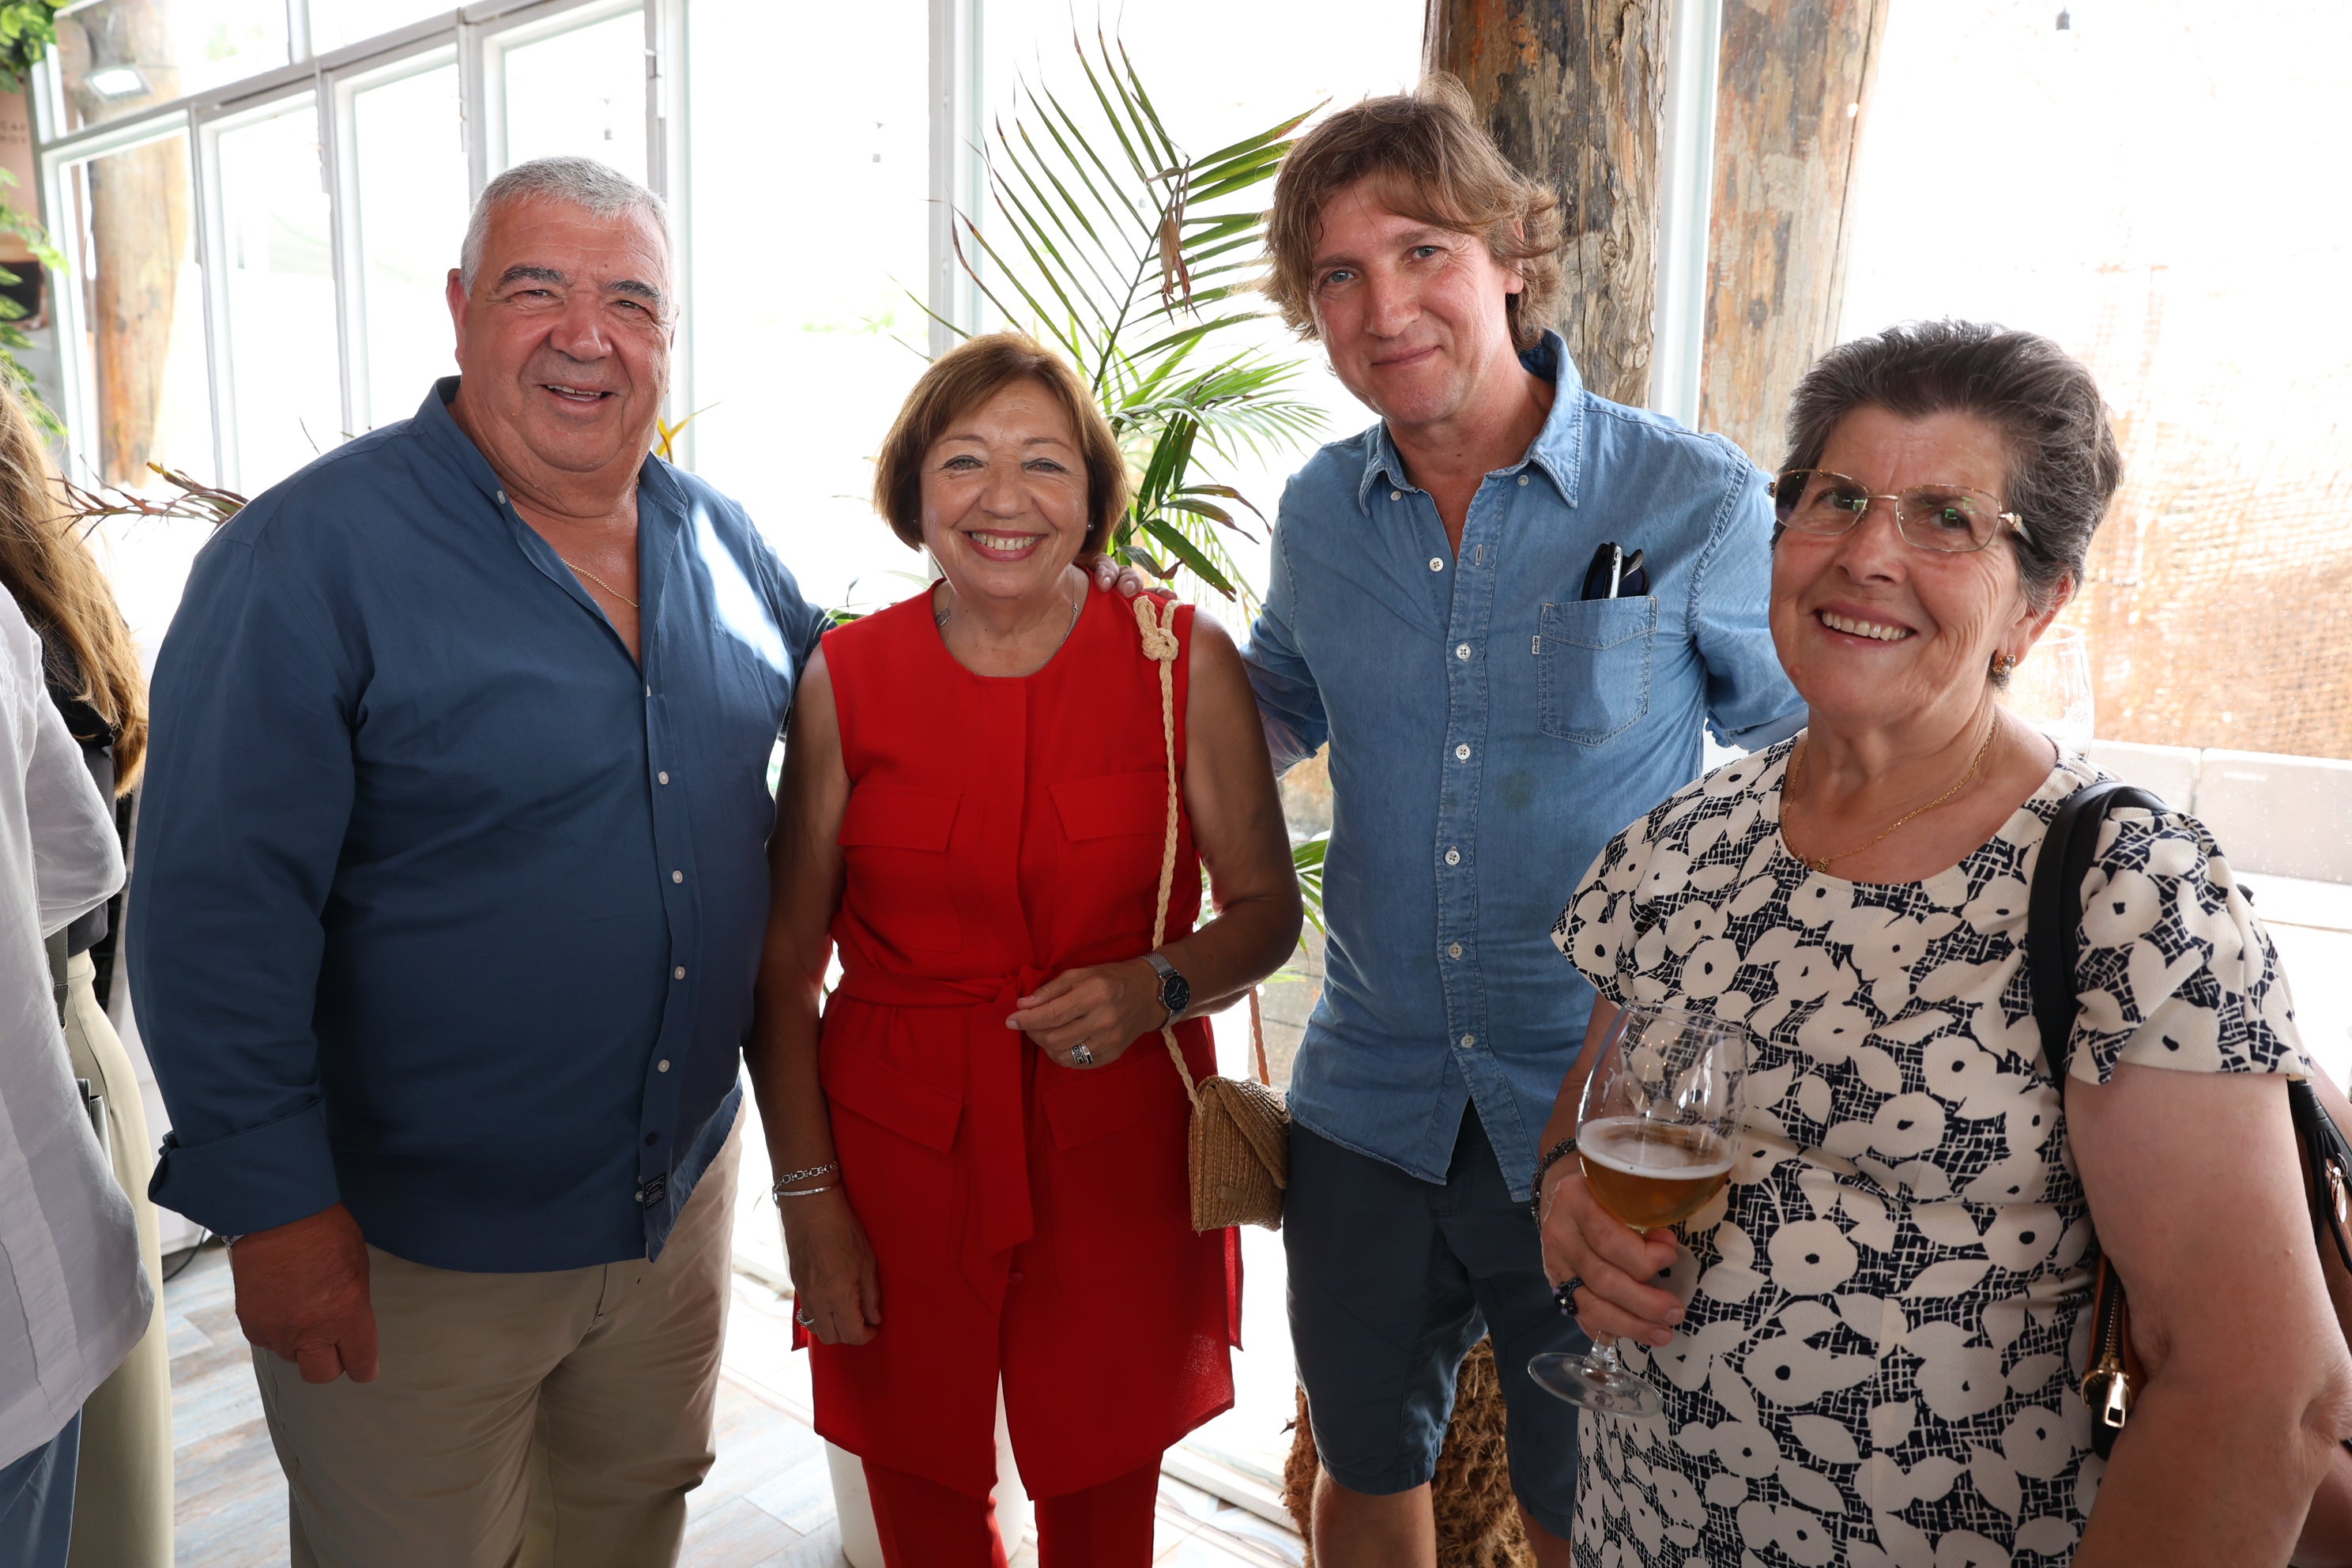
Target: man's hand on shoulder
[
  {"x": 1109, "y": 573},
  {"x": 302, "y": 1295}
]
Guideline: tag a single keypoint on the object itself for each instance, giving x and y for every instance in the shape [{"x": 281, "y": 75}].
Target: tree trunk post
[
  {"x": 1574, "y": 93},
  {"x": 1794, "y": 92}
]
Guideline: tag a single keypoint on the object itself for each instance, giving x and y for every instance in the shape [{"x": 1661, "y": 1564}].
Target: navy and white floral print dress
[{"x": 1885, "y": 1316}]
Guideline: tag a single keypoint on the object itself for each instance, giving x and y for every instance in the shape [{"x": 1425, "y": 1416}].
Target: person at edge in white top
[{"x": 73, "y": 1299}]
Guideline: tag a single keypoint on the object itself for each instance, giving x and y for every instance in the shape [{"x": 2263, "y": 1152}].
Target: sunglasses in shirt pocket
[
  {"x": 895, "y": 841},
  {"x": 1592, "y": 668}
]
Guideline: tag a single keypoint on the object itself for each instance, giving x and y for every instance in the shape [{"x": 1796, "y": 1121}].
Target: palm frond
[{"x": 1104, "y": 238}]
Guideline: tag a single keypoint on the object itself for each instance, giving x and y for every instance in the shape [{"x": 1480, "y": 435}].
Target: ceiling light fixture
[{"x": 116, "y": 81}]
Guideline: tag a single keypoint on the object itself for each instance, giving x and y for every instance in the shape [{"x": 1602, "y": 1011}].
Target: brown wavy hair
[
  {"x": 959, "y": 380},
  {"x": 1434, "y": 164},
  {"x": 47, "y": 564}
]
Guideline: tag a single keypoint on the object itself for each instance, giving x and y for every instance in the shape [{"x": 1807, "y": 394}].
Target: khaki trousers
[
  {"x": 122, "y": 1499},
  {"x": 520, "y": 1420}
]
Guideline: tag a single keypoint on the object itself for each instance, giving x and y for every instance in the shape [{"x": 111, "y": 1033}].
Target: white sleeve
[{"x": 76, "y": 857}]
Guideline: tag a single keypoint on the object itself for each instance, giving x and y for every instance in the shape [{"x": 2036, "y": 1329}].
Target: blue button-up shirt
[
  {"x": 1490, "y": 730},
  {"x": 445, "y": 907}
]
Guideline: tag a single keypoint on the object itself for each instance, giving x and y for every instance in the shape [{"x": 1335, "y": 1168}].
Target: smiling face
[
  {"x": 564, "y": 340},
  {"x": 1876, "y": 632},
  {"x": 1004, "y": 496},
  {"x": 1412, "y": 315}
]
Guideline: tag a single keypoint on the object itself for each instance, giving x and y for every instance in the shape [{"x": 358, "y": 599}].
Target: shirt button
[
  {"x": 1454, "y": 950},
  {"x": 650, "y": 691},
  {"x": 1468, "y": 1041},
  {"x": 1396, "y": 495},
  {"x": 664, "y": 777},
  {"x": 678, "y": 876},
  {"x": 1453, "y": 857},
  {"x": 1436, "y": 563},
  {"x": 662, "y": 1066},
  {"x": 678, "y": 974},
  {"x": 1523, "y": 479},
  {"x": 1461, "y": 752},
  {"x": 503, "y": 498},
  {"x": 1462, "y": 650}
]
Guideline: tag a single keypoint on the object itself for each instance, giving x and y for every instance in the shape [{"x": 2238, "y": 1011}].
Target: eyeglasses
[{"x": 1949, "y": 520}]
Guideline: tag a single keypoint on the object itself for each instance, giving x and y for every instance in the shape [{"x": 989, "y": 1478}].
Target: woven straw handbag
[{"x": 1239, "y": 1149}]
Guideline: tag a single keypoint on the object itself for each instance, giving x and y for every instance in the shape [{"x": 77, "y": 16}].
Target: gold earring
[{"x": 2004, "y": 664}]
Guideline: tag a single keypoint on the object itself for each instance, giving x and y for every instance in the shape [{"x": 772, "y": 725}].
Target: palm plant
[{"x": 1109, "y": 242}]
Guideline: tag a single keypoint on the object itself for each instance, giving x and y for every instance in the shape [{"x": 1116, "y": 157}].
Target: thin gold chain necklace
[
  {"x": 1823, "y": 863},
  {"x": 598, "y": 581}
]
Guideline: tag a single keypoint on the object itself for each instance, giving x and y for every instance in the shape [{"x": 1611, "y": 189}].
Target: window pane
[
  {"x": 279, "y": 283},
  {"x": 799, "y": 303},
  {"x": 335, "y": 23},
  {"x": 142, "y": 357},
  {"x": 143, "y": 317},
  {"x": 121, "y": 56},
  {"x": 410, "y": 160},
  {"x": 581, "y": 92}
]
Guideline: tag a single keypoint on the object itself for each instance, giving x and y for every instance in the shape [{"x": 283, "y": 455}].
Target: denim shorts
[{"x": 1392, "y": 1281}]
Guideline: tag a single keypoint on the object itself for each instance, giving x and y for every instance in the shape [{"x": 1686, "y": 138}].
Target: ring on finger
[
  {"x": 1080, "y": 1057},
  {"x": 1564, "y": 1297},
  {"x": 800, "y": 1316}
]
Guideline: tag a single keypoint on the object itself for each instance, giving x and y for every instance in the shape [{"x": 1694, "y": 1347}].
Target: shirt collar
[
  {"x": 1558, "y": 450},
  {"x": 439, "y": 427}
]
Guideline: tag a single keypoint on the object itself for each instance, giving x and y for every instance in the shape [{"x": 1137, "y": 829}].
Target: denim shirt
[
  {"x": 447, "y": 907},
  {"x": 1490, "y": 730}
]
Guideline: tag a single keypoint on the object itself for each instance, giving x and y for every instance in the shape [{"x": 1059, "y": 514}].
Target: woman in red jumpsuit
[{"x": 980, "y": 1150}]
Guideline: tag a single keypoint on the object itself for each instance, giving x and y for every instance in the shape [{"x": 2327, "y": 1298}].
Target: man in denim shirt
[{"x": 1490, "y": 728}]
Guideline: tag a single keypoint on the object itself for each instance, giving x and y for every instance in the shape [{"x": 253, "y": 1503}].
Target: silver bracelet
[
  {"x": 804, "y": 1191},
  {"x": 810, "y": 1174}
]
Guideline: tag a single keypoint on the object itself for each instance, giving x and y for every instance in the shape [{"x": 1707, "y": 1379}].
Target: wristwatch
[{"x": 1175, "y": 990}]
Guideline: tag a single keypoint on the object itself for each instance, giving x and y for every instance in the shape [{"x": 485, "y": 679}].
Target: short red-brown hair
[
  {"x": 959, "y": 380},
  {"x": 1434, "y": 164}
]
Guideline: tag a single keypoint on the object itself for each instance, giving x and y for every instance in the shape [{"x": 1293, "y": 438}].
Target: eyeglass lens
[{"x": 1946, "y": 518}]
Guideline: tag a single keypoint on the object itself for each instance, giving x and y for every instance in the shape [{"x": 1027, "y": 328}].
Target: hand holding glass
[{"x": 1657, "y": 1130}]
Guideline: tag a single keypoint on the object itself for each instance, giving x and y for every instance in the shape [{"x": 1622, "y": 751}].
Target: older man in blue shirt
[
  {"x": 1491, "y": 723},
  {"x": 450, "y": 888}
]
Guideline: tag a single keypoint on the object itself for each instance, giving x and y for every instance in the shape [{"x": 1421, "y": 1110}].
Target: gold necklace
[
  {"x": 598, "y": 581},
  {"x": 1796, "y": 773}
]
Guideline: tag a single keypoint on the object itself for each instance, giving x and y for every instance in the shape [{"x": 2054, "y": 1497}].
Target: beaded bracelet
[{"x": 1551, "y": 1156}]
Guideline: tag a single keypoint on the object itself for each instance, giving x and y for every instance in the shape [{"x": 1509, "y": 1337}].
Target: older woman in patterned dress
[{"x": 1868, "y": 1345}]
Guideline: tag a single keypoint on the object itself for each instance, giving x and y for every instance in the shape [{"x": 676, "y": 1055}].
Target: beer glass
[{"x": 1656, "y": 1134}]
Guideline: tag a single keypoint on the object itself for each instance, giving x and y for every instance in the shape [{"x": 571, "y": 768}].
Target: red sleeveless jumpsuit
[{"x": 1029, "y": 1221}]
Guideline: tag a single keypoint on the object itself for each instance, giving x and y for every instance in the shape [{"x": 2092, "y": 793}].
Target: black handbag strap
[{"x": 2053, "y": 912}]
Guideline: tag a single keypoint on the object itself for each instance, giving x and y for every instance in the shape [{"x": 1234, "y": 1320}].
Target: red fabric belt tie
[{"x": 995, "y": 1101}]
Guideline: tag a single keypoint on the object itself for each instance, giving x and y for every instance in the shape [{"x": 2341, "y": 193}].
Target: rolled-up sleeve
[
  {"x": 1289, "y": 703},
  {"x": 249, "y": 794},
  {"x": 1749, "y": 702}
]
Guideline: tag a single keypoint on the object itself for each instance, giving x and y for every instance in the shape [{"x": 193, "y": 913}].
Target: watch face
[{"x": 1175, "y": 992}]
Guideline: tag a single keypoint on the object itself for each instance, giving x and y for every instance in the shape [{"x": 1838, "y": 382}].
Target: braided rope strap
[
  {"x": 1156, "y": 622},
  {"x": 1239, "y": 1141}
]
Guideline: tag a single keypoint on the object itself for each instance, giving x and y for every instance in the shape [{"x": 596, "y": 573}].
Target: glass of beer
[{"x": 1656, "y": 1134}]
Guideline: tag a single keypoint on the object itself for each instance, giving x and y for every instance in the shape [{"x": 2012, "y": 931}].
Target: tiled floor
[{"x": 768, "y": 1502}]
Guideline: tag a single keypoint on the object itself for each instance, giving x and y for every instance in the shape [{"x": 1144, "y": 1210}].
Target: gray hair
[
  {"x": 2063, "y": 464},
  {"x": 583, "y": 183}
]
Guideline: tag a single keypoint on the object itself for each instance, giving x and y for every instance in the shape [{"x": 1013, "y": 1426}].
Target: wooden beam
[
  {"x": 1573, "y": 92},
  {"x": 1794, "y": 91}
]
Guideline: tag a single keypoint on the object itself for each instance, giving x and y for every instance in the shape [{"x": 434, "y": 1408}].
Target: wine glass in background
[
  {"x": 1656, "y": 1132},
  {"x": 2051, "y": 690}
]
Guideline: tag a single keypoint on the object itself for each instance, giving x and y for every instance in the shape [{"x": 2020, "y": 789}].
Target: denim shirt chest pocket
[{"x": 1592, "y": 668}]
